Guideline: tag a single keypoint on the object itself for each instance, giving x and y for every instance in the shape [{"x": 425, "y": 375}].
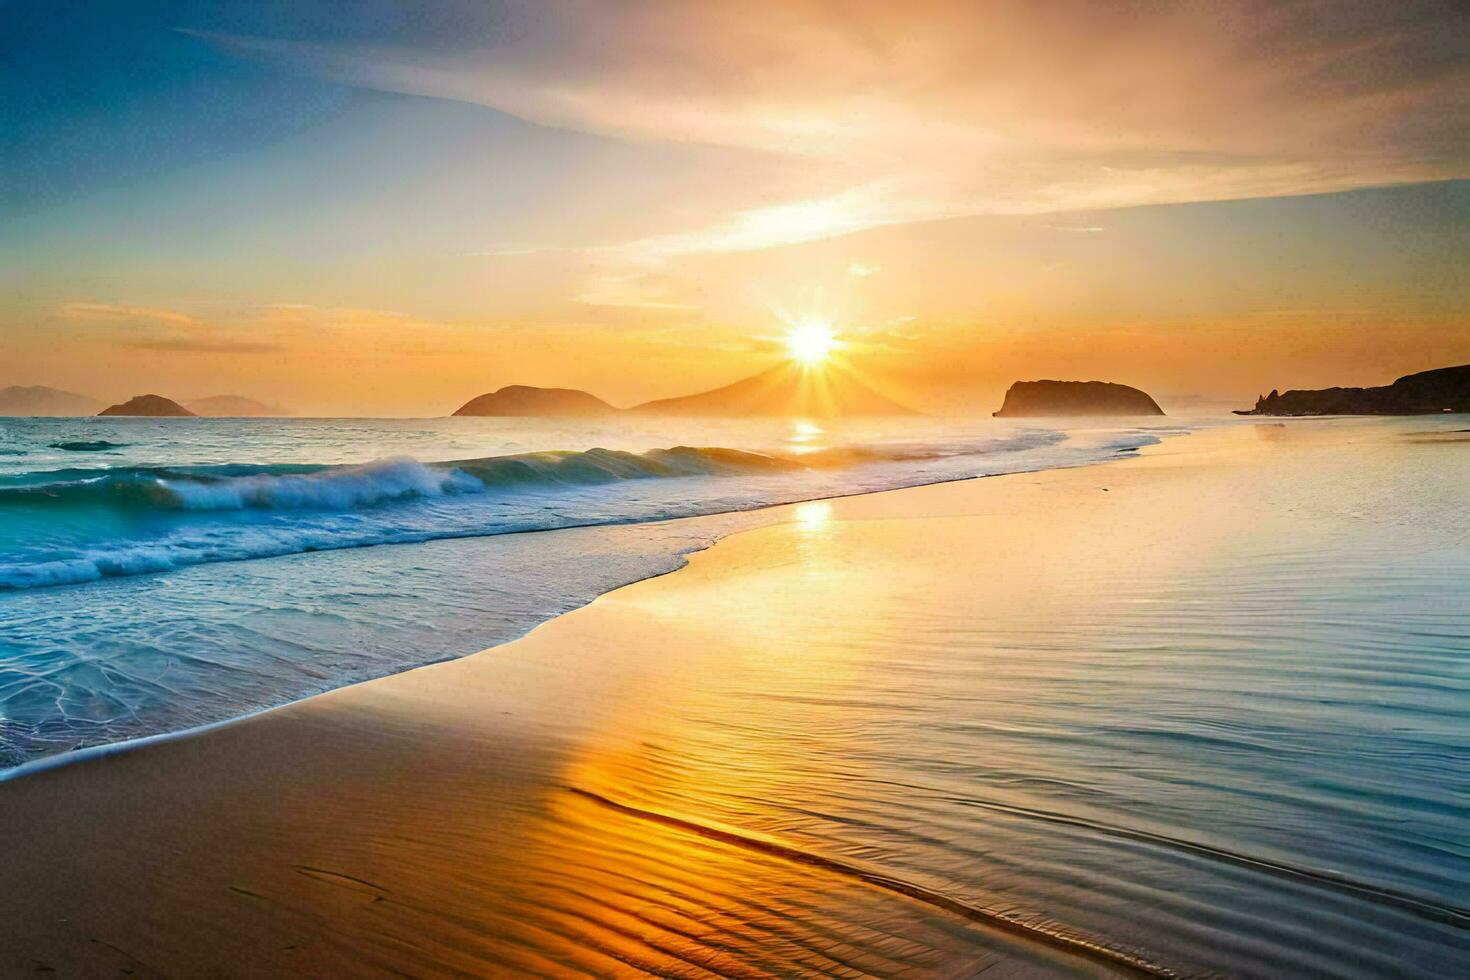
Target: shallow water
[
  {"x": 1229, "y": 733},
  {"x": 157, "y": 574}
]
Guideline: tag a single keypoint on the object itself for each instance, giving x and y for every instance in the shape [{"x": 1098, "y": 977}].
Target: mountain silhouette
[
  {"x": 1041, "y": 398},
  {"x": 787, "y": 390},
  {"x": 154, "y": 406},
  {"x": 232, "y": 406},
  {"x": 1440, "y": 390},
  {"x": 22, "y": 400},
  {"x": 530, "y": 402}
]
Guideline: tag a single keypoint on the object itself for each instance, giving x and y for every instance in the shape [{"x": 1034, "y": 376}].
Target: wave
[
  {"x": 305, "y": 486},
  {"x": 80, "y": 524},
  {"x": 346, "y": 487}
]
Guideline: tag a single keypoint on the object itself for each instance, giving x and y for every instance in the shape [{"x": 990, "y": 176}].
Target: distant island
[
  {"x": 1428, "y": 392},
  {"x": 30, "y": 400},
  {"x": 786, "y": 391},
  {"x": 783, "y": 391},
  {"x": 153, "y": 406},
  {"x": 529, "y": 402},
  {"x": 233, "y": 407},
  {"x": 1041, "y": 398}
]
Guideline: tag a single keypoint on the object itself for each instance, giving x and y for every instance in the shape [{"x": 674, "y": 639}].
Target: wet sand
[{"x": 580, "y": 801}]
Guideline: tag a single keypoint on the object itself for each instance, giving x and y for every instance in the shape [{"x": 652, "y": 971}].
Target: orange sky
[{"x": 1207, "y": 201}]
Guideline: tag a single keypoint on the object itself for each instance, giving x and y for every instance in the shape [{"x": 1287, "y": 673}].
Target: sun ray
[{"x": 811, "y": 343}]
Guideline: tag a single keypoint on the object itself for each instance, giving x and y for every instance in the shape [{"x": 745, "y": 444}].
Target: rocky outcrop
[
  {"x": 32, "y": 400},
  {"x": 1040, "y": 398},
  {"x": 526, "y": 401},
  {"x": 787, "y": 391},
  {"x": 152, "y": 406},
  {"x": 1440, "y": 390}
]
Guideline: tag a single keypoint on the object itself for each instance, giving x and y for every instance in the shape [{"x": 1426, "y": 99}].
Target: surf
[{"x": 82, "y": 523}]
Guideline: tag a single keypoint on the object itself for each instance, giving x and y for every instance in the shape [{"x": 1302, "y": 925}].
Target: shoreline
[
  {"x": 423, "y": 822},
  {"x": 761, "y": 516}
]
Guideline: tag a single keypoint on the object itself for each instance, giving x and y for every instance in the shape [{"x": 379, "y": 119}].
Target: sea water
[{"x": 158, "y": 574}]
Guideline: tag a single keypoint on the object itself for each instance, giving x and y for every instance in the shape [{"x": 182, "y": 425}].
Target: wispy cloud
[
  {"x": 638, "y": 291},
  {"x": 187, "y": 345},
  {"x": 513, "y": 251},
  {"x": 309, "y": 315},
  {"x": 962, "y": 108},
  {"x": 124, "y": 313},
  {"x": 164, "y": 330}
]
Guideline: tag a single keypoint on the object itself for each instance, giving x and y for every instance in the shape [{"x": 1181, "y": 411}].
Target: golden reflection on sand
[{"x": 812, "y": 515}]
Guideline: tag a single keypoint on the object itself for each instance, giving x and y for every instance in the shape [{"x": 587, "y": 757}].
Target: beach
[{"x": 1197, "y": 710}]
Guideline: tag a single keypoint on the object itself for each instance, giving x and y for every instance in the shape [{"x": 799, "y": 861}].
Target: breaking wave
[
  {"x": 307, "y": 487},
  {"x": 80, "y": 524}
]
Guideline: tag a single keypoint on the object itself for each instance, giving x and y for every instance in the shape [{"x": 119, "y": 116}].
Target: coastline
[
  {"x": 489, "y": 814},
  {"x": 315, "y": 621}
]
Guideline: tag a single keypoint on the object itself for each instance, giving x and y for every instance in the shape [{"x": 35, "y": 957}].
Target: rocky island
[
  {"x": 1041, "y": 398},
  {"x": 531, "y": 402},
  {"x": 1428, "y": 392},
  {"x": 151, "y": 406}
]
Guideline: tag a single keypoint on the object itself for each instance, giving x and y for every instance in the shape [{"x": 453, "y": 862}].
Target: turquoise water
[{"x": 158, "y": 574}]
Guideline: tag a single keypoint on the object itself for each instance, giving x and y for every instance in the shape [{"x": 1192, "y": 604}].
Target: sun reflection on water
[{"x": 805, "y": 437}]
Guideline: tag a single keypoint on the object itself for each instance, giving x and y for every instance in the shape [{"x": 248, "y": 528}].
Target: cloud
[
  {"x": 164, "y": 330},
  {"x": 513, "y": 252},
  {"x": 938, "y": 109},
  {"x": 631, "y": 291},
  {"x": 863, "y": 271},
  {"x": 186, "y": 345},
  {"x": 307, "y": 315},
  {"x": 121, "y": 312},
  {"x": 869, "y": 205}
]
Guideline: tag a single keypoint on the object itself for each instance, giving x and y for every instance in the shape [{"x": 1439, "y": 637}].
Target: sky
[{"x": 388, "y": 208}]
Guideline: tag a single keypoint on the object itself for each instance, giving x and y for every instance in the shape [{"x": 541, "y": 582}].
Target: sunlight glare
[
  {"x": 812, "y": 515},
  {"x": 811, "y": 343}
]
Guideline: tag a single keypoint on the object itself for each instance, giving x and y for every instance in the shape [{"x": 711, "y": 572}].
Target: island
[
  {"x": 532, "y": 402},
  {"x": 233, "y": 407},
  {"x": 39, "y": 400},
  {"x": 151, "y": 406},
  {"x": 785, "y": 391},
  {"x": 1428, "y": 392},
  {"x": 1042, "y": 398}
]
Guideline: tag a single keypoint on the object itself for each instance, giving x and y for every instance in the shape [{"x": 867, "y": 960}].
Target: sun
[{"x": 811, "y": 343}]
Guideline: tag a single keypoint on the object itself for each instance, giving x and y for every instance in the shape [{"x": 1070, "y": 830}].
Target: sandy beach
[{"x": 691, "y": 775}]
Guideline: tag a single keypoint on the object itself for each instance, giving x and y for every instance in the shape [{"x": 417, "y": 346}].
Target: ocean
[{"x": 160, "y": 574}]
